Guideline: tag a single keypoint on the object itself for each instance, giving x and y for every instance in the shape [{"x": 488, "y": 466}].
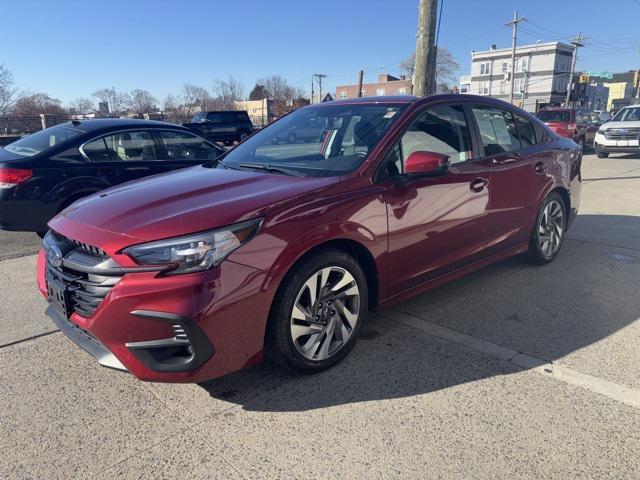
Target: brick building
[{"x": 386, "y": 85}]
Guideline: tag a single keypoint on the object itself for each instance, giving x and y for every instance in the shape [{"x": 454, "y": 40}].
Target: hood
[
  {"x": 189, "y": 200},
  {"x": 609, "y": 125}
]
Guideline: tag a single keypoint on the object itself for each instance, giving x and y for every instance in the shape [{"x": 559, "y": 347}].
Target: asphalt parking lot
[{"x": 513, "y": 372}]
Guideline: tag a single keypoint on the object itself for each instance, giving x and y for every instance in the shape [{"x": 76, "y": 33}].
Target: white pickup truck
[{"x": 621, "y": 134}]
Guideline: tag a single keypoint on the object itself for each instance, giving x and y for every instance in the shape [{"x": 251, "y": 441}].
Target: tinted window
[
  {"x": 541, "y": 133},
  {"x": 554, "y": 115},
  {"x": 498, "y": 131},
  {"x": 525, "y": 131},
  {"x": 122, "y": 146},
  {"x": 346, "y": 135},
  {"x": 185, "y": 146},
  {"x": 38, "y": 142},
  {"x": 441, "y": 129}
]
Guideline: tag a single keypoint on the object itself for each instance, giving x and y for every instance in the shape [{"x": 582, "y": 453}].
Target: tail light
[
  {"x": 10, "y": 177},
  {"x": 571, "y": 127}
]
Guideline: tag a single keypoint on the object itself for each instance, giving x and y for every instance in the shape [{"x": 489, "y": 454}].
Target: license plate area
[{"x": 59, "y": 296}]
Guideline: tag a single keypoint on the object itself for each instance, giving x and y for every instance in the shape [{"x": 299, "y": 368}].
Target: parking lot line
[{"x": 612, "y": 390}]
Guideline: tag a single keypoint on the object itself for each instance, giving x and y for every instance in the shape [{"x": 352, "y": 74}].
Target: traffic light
[{"x": 584, "y": 78}]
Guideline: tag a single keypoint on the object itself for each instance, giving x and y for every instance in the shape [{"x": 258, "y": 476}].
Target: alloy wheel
[
  {"x": 325, "y": 313},
  {"x": 551, "y": 228}
]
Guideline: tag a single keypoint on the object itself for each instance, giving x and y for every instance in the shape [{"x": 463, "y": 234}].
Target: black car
[
  {"x": 43, "y": 173},
  {"x": 224, "y": 126}
]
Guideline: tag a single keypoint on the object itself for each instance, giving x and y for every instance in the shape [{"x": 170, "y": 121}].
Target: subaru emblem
[{"x": 54, "y": 256}]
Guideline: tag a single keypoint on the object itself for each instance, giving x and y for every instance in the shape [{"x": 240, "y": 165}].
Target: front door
[{"x": 436, "y": 223}]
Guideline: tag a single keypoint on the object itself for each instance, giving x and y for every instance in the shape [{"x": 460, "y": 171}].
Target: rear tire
[
  {"x": 548, "y": 231},
  {"x": 318, "y": 312},
  {"x": 602, "y": 154}
]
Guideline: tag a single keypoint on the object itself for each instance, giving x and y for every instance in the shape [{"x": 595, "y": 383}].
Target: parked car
[
  {"x": 43, "y": 173},
  {"x": 579, "y": 125},
  {"x": 225, "y": 126},
  {"x": 619, "y": 135},
  {"x": 283, "y": 249}
]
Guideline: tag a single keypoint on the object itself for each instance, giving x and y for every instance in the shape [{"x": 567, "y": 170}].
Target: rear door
[
  {"x": 124, "y": 155},
  {"x": 517, "y": 166}
]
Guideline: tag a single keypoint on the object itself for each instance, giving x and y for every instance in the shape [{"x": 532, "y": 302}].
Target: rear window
[
  {"x": 43, "y": 140},
  {"x": 555, "y": 116}
]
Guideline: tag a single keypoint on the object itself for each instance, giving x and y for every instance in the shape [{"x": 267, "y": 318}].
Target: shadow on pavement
[{"x": 587, "y": 294}]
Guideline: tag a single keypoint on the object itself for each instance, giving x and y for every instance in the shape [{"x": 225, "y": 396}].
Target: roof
[
  {"x": 523, "y": 48},
  {"x": 373, "y": 100},
  {"x": 101, "y": 123}
]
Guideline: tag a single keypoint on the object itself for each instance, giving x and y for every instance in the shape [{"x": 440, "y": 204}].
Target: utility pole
[
  {"x": 424, "y": 73},
  {"x": 577, "y": 43},
  {"x": 312, "y": 89},
  {"x": 360, "y": 75},
  {"x": 514, "y": 40},
  {"x": 319, "y": 76}
]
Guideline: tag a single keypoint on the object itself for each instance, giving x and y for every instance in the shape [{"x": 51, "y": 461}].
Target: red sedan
[{"x": 283, "y": 248}]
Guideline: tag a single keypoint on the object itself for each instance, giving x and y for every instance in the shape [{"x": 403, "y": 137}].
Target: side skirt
[{"x": 460, "y": 272}]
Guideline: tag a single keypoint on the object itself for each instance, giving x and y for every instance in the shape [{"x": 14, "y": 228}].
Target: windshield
[
  {"x": 317, "y": 141},
  {"x": 627, "y": 115},
  {"x": 199, "y": 117},
  {"x": 555, "y": 116},
  {"x": 40, "y": 141}
]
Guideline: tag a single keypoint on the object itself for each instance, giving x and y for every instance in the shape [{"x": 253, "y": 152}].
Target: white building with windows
[{"x": 540, "y": 79}]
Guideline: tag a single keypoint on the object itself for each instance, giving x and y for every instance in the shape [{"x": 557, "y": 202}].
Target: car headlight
[
  {"x": 601, "y": 131},
  {"x": 197, "y": 252}
]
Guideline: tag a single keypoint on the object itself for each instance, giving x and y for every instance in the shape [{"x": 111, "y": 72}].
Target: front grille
[
  {"x": 87, "y": 273},
  {"x": 622, "y": 134}
]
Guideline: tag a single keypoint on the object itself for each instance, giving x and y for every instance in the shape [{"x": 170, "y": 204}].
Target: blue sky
[{"x": 71, "y": 48}]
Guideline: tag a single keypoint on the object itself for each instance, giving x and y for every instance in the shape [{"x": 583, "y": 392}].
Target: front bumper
[
  {"x": 607, "y": 145},
  {"x": 164, "y": 328}
]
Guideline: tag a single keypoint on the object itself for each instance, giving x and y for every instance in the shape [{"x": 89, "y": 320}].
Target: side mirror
[{"x": 421, "y": 162}]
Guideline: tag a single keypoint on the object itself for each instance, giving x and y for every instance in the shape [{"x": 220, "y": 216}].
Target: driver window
[{"x": 440, "y": 129}]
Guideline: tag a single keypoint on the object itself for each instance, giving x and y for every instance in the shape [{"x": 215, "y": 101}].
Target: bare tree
[
  {"x": 117, "y": 102},
  {"x": 195, "y": 97},
  {"x": 446, "y": 66},
  {"x": 284, "y": 94},
  {"x": 142, "y": 102},
  {"x": 83, "y": 106},
  {"x": 227, "y": 92},
  {"x": 8, "y": 92},
  {"x": 37, "y": 103}
]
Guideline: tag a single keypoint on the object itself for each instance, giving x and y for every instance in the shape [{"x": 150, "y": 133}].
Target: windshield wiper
[{"x": 271, "y": 168}]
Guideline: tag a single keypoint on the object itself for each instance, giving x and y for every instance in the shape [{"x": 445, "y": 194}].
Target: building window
[
  {"x": 484, "y": 68},
  {"x": 484, "y": 88},
  {"x": 380, "y": 92},
  {"x": 364, "y": 93},
  {"x": 505, "y": 67},
  {"x": 503, "y": 87},
  {"x": 343, "y": 94},
  {"x": 402, "y": 91}
]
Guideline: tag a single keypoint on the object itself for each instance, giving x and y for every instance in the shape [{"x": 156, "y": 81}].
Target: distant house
[
  {"x": 386, "y": 85},
  {"x": 540, "y": 76},
  {"x": 260, "y": 111}
]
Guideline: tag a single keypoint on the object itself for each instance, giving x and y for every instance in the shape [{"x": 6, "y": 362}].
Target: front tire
[
  {"x": 318, "y": 312},
  {"x": 600, "y": 154},
  {"x": 549, "y": 230}
]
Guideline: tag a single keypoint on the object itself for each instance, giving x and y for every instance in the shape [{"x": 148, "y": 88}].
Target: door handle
[
  {"x": 540, "y": 167},
  {"x": 478, "y": 184}
]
